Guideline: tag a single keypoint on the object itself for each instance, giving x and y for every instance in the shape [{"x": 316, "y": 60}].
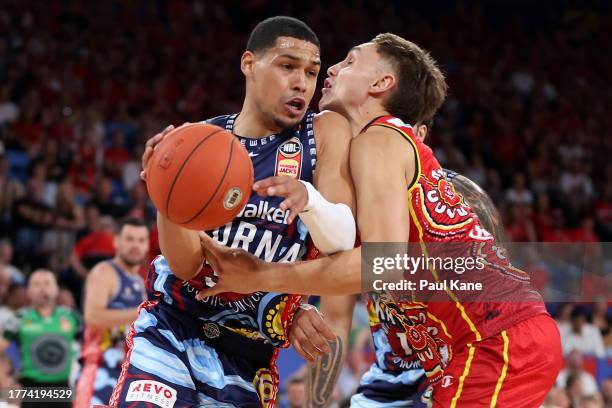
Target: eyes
[{"x": 290, "y": 67}]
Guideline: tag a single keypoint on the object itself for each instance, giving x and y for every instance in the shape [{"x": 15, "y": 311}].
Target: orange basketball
[{"x": 200, "y": 176}]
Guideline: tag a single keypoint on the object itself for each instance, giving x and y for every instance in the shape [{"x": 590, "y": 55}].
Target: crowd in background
[{"x": 83, "y": 85}]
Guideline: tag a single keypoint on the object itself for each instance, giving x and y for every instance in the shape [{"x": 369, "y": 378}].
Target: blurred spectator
[
  {"x": 116, "y": 156},
  {"x": 296, "y": 392},
  {"x": 6, "y": 259},
  {"x": 575, "y": 391},
  {"x": 8, "y": 321},
  {"x": 45, "y": 336},
  {"x": 94, "y": 247},
  {"x": 542, "y": 218},
  {"x": 574, "y": 364},
  {"x": 88, "y": 251},
  {"x": 11, "y": 190},
  {"x": 519, "y": 227},
  {"x": 31, "y": 218},
  {"x": 591, "y": 401},
  {"x": 17, "y": 297},
  {"x": 606, "y": 391},
  {"x": 557, "y": 398},
  {"x": 518, "y": 193},
  {"x": 131, "y": 170},
  {"x": 586, "y": 232},
  {"x": 108, "y": 202},
  {"x": 9, "y": 110},
  {"x": 7, "y": 379},
  {"x": 557, "y": 232},
  {"x": 576, "y": 182},
  {"x": 139, "y": 205},
  {"x": 68, "y": 218},
  {"x": 580, "y": 336}
]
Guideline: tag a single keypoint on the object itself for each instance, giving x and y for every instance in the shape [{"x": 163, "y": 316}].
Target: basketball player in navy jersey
[
  {"x": 220, "y": 351},
  {"x": 113, "y": 291}
]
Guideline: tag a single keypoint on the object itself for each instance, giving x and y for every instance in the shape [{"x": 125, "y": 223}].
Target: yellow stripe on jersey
[
  {"x": 466, "y": 371},
  {"x": 435, "y": 273},
  {"x": 502, "y": 377},
  {"x": 441, "y": 323}
]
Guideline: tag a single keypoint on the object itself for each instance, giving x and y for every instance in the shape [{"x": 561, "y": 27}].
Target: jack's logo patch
[{"x": 289, "y": 158}]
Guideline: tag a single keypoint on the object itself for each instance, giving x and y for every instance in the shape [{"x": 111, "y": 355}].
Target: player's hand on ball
[
  {"x": 294, "y": 192},
  {"x": 150, "y": 148},
  {"x": 309, "y": 334},
  {"x": 236, "y": 268}
]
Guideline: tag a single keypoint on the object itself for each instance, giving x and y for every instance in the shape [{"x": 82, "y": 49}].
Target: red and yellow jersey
[{"x": 440, "y": 216}]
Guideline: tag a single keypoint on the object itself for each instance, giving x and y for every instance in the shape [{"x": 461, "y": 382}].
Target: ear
[
  {"x": 384, "y": 83},
  {"x": 247, "y": 63},
  {"x": 421, "y": 132}
]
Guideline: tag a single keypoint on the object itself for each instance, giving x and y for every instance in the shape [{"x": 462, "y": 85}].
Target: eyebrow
[
  {"x": 294, "y": 58},
  {"x": 355, "y": 48}
]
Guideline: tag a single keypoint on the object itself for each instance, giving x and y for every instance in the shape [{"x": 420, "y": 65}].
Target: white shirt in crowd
[{"x": 589, "y": 341}]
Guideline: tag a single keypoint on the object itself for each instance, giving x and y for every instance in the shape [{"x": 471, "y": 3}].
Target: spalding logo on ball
[{"x": 200, "y": 176}]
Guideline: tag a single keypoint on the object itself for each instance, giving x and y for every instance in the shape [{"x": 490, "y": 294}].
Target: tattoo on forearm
[{"x": 323, "y": 374}]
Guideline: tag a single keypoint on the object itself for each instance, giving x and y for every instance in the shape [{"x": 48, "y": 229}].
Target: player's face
[
  {"x": 42, "y": 288},
  {"x": 349, "y": 82},
  {"x": 132, "y": 244},
  {"x": 283, "y": 80}
]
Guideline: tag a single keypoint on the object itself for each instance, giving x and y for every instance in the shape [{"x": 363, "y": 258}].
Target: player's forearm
[
  {"x": 338, "y": 274},
  {"x": 181, "y": 248},
  {"x": 108, "y": 318},
  {"x": 330, "y": 225}
]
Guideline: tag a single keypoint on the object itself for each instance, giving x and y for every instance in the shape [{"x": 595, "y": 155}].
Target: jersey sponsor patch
[
  {"x": 289, "y": 158},
  {"x": 152, "y": 391}
]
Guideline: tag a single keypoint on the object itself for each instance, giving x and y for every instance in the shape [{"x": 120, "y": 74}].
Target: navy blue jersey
[
  {"x": 129, "y": 291},
  {"x": 261, "y": 228}
]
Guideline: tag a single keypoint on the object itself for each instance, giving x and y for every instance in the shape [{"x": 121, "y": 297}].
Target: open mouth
[
  {"x": 326, "y": 85},
  {"x": 296, "y": 105}
]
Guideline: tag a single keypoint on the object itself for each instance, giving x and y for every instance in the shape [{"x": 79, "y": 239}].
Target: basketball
[{"x": 200, "y": 176}]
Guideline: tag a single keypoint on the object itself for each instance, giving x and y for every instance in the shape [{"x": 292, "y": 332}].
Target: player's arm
[
  {"x": 325, "y": 206},
  {"x": 99, "y": 287},
  {"x": 480, "y": 202},
  {"x": 382, "y": 166},
  {"x": 323, "y": 374},
  {"x": 180, "y": 246}
]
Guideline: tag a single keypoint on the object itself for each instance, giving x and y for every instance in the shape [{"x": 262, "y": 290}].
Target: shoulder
[
  {"x": 102, "y": 272},
  {"x": 219, "y": 120},
  {"x": 329, "y": 119},
  {"x": 331, "y": 127},
  {"x": 381, "y": 139}
]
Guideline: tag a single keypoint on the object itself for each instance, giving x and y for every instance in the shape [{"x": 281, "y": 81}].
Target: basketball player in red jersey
[{"x": 504, "y": 354}]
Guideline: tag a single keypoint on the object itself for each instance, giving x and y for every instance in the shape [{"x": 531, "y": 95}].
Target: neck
[
  {"x": 45, "y": 310},
  {"x": 250, "y": 123},
  {"x": 129, "y": 269},
  {"x": 360, "y": 116}
]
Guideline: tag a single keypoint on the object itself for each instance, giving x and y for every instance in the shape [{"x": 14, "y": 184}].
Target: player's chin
[{"x": 286, "y": 121}]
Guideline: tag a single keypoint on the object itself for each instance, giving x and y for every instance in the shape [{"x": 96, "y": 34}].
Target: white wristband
[{"x": 331, "y": 226}]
